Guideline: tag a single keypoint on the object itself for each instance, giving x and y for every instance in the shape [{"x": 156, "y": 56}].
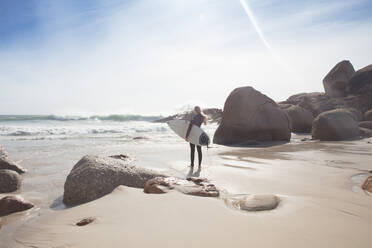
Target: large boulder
[
  {"x": 93, "y": 177},
  {"x": 361, "y": 81},
  {"x": 301, "y": 119},
  {"x": 249, "y": 115},
  {"x": 368, "y": 115},
  {"x": 336, "y": 81},
  {"x": 13, "y": 204},
  {"x": 7, "y": 163},
  {"x": 335, "y": 125},
  {"x": 10, "y": 181}
]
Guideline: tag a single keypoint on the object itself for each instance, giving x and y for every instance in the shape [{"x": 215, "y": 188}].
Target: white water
[{"x": 48, "y": 149}]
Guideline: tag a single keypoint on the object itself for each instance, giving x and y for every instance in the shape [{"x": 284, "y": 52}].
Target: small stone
[
  {"x": 13, "y": 204},
  {"x": 120, "y": 156},
  {"x": 258, "y": 202},
  {"x": 85, "y": 221}
]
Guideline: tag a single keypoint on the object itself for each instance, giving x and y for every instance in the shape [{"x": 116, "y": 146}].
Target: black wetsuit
[{"x": 196, "y": 120}]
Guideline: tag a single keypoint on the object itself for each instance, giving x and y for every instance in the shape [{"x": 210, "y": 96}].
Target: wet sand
[{"x": 322, "y": 204}]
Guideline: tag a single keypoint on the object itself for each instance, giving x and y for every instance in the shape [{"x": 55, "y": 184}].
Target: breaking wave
[{"x": 117, "y": 118}]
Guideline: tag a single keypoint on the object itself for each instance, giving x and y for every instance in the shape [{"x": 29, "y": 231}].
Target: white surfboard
[{"x": 197, "y": 135}]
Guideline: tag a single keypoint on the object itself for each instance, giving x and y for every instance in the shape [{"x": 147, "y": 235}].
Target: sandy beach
[
  {"x": 185, "y": 124},
  {"x": 322, "y": 204}
]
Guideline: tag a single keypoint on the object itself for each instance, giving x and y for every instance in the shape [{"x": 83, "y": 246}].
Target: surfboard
[{"x": 197, "y": 135}]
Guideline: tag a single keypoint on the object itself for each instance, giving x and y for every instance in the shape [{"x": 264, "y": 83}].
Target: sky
[{"x": 151, "y": 57}]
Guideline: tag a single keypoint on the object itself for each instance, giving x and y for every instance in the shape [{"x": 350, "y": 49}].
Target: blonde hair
[{"x": 200, "y": 111}]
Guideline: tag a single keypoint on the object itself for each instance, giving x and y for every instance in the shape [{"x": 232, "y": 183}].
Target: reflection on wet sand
[{"x": 191, "y": 172}]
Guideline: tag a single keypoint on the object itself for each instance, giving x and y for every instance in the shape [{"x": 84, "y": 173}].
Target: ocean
[{"x": 49, "y": 146}]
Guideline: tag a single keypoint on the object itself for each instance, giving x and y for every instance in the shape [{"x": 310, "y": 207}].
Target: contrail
[{"x": 253, "y": 20}]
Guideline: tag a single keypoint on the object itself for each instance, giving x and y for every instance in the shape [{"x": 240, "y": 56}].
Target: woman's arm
[{"x": 188, "y": 130}]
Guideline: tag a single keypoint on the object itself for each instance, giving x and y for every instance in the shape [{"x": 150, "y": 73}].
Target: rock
[
  {"x": 367, "y": 184},
  {"x": 214, "y": 115},
  {"x": 314, "y": 102},
  {"x": 85, "y": 221},
  {"x": 10, "y": 181},
  {"x": 120, "y": 156},
  {"x": 368, "y": 115},
  {"x": 336, "y": 81},
  {"x": 301, "y": 119},
  {"x": 318, "y": 103},
  {"x": 335, "y": 125},
  {"x": 7, "y": 163},
  {"x": 13, "y": 204},
  {"x": 366, "y": 124},
  {"x": 93, "y": 177},
  {"x": 158, "y": 185},
  {"x": 190, "y": 186},
  {"x": 249, "y": 115},
  {"x": 258, "y": 202},
  {"x": 365, "y": 132},
  {"x": 361, "y": 102},
  {"x": 361, "y": 81},
  {"x": 285, "y": 105},
  {"x": 356, "y": 114}
]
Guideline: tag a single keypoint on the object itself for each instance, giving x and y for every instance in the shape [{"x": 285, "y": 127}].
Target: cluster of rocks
[
  {"x": 93, "y": 177},
  {"x": 10, "y": 181},
  {"x": 214, "y": 116},
  {"x": 343, "y": 112}
]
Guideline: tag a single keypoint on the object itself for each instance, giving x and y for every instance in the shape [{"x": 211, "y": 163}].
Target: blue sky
[{"x": 150, "y": 57}]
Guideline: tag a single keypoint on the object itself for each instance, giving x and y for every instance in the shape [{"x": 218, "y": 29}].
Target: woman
[{"x": 196, "y": 120}]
